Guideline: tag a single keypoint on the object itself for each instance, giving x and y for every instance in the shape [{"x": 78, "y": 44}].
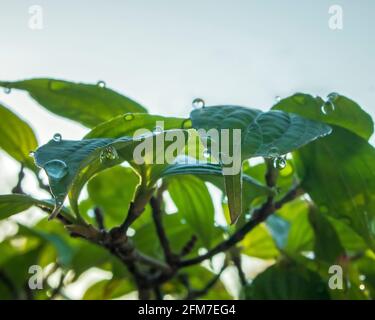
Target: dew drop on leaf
[
  {"x": 198, "y": 103},
  {"x": 101, "y": 84},
  {"x": 108, "y": 153},
  {"x": 328, "y": 107},
  {"x": 277, "y": 98},
  {"x": 31, "y": 153},
  {"x": 7, "y": 90},
  {"x": 129, "y": 117},
  {"x": 57, "y": 137},
  {"x": 279, "y": 163},
  {"x": 56, "y": 169}
]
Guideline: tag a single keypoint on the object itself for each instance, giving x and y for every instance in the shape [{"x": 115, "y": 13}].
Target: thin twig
[
  {"x": 258, "y": 216},
  {"x": 164, "y": 242},
  {"x": 194, "y": 294},
  {"x": 99, "y": 218}
]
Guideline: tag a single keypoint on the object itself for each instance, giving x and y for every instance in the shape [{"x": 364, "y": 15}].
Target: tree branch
[
  {"x": 258, "y": 216},
  {"x": 99, "y": 218},
  {"x": 157, "y": 216}
]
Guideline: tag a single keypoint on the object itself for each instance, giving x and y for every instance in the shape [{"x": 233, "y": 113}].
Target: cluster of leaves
[{"x": 316, "y": 212}]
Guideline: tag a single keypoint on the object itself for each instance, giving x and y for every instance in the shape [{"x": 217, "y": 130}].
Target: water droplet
[
  {"x": 198, "y": 103},
  {"x": 57, "y": 137},
  {"x": 206, "y": 153},
  {"x": 129, "y": 117},
  {"x": 31, "y": 153},
  {"x": 328, "y": 107},
  {"x": 279, "y": 163},
  {"x": 7, "y": 90},
  {"x": 277, "y": 98},
  {"x": 101, "y": 84},
  {"x": 56, "y": 169},
  {"x": 362, "y": 277},
  {"x": 362, "y": 287},
  {"x": 109, "y": 153}
]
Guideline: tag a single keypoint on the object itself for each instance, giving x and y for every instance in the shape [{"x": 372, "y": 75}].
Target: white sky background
[{"x": 166, "y": 53}]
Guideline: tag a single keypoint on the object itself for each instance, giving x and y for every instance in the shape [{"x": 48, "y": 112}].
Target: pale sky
[{"x": 166, "y": 53}]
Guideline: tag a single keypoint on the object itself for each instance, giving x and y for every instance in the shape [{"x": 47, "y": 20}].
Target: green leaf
[
  {"x": 233, "y": 189},
  {"x": 339, "y": 174},
  {"x": 266, "y": 134},
  {"x": 11, "y": 204},
  {"x": 17, "y": 138},
  {"x": 259, "y": 243},
  {"x": 108, "y": 289},
  {"x": 128, "y": 124},
  {"x": 349, "y": 239},
  {"x": 301, "y": 234},
  {"x": 251, "y": 188},
  {"x": 347, "y": 113},
  {"x": 88, "y": 104},
  {"x": 112, "y": 190},
  {"x": 63, "y": 250},
  {"x": 263, "y": 134},
  {"x": 194, "y": 204},
  {"x": 327, "y": 245},
  {"x": 72, "y": 163},
  {"x": 287, "y": 281}
]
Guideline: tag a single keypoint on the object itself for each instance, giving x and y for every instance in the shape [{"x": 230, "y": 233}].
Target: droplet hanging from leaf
[
  {"x": 198, "y": 103},
  {"x": 279, "y": 163},
  {"x": 57, "y": 137},
  {"x": 101, "y": 84},
  {"x": 109, "y": 153}
]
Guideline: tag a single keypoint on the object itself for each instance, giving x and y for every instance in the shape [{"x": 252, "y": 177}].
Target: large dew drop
[
  {"x": 101, "y": 84},
  {"x": 328, "y": 107},
  {"x": 56, "y": 169},
  {"x": 109, "y": 153},
  {"x": 57, "y": 137},
  {"x": 7, "y": 90},
  {"x": 279, "y": 163},
  {"x": 198, "y": 103}
]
